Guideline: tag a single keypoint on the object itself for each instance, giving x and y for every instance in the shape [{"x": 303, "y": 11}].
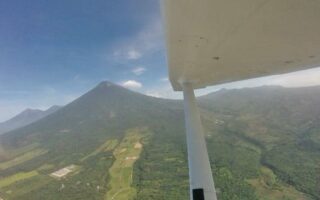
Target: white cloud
[
  {"x": 76, "y": 77},
  {"x": 163, "y": 90},
  {"x": 145, "y": 42},
  {"x": 138, "y": 71},
  {"x": 131, "y": 84},
  {"x": 164, "y": 79},
  {"x": 133, "y": 54},
  {"x": 303, "y": 78},
  {"x": 153, "y": 94}
]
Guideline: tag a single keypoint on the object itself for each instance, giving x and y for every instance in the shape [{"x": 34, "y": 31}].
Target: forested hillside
[
  {"x": 112, "y": 143},
  {"x": 282, "y": 125}
]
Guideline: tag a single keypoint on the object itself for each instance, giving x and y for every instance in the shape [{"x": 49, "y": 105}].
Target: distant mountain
[
  {"x": 279, "y": 106},
  {"x": 26, "y": 117},
  {"x": 282, "y": 124},
  {"x": 106, "y": 110},
  {"x": 78, "y": 131},
  {"x": 263, "y": 143}
]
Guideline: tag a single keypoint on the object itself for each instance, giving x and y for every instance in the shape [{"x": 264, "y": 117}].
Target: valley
[{"x": 259, "y": 147}]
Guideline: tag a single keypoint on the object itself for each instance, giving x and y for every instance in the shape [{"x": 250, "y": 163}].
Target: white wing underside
[{"x": 217, "y": 41}]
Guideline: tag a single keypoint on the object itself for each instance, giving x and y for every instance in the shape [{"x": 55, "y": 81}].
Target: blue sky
[{"x": 51, "y": 52}]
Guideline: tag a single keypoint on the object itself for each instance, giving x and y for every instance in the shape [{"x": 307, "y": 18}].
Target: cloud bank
[{"x": 131, "y": 84}]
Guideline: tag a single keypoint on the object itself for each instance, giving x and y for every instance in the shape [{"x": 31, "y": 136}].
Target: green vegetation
[
  {"x": 263, "y": 144},
  {"x": 23, "y": 158},
  {"x": 18, "y": 151},
  {"x": 90, "y": 182},
  {"x": 268, "y": 187},
  {"x": 22, "y": 188},
  {"x": 17, "y": 177},
  {"x": 281, "y": 123},
  {"x": 46, "y": 167},
  {"x": 121, "y": 172},
  {"x": 162, "y": 170},
  {"x": 109, "y": 145}
]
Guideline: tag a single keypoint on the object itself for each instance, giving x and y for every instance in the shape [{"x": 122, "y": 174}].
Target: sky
[{"x": 51, "y": 52}]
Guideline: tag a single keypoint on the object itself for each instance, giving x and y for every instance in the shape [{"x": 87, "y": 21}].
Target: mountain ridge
[
  {"x": 26, "y": 117},
  {"x": 248, "y": 132}
]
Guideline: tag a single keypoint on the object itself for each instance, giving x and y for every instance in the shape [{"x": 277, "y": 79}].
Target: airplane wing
[{"x": 218, "y": 41}]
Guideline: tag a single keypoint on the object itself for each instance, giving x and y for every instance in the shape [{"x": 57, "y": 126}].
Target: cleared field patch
[
  {"x": 138, "y": 145},
  {"x": 18, "y": 189},
  {"x": 64, "y": 171},
  {"x": 109, "y": 145},
  {"x": 22, "y": 158},
  {"x": 10, "y": 153},
  {"x": 122, "y": 168},
  {"x": 268, "y": 187},
  {"x": 22, "y": 150},
  {"x": 4, "y": 182}
]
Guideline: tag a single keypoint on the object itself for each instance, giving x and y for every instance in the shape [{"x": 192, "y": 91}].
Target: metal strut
[{"x": 201, "y": 181}]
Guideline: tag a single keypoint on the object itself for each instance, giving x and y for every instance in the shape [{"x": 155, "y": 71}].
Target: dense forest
[{"x": 263, "y": 143}]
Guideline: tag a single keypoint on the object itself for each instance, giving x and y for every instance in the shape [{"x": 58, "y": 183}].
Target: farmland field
[
  {"x": 23, "y": 158},
  {"x": 121, "y": 172}
]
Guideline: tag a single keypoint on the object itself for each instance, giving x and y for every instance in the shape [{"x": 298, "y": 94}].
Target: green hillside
[
  {"x": 283, "y": 124},
  {"x": 113, "y": 143}
]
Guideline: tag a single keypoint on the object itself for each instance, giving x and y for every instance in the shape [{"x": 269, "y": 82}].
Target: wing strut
[{"x": 201, "y": 181}]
